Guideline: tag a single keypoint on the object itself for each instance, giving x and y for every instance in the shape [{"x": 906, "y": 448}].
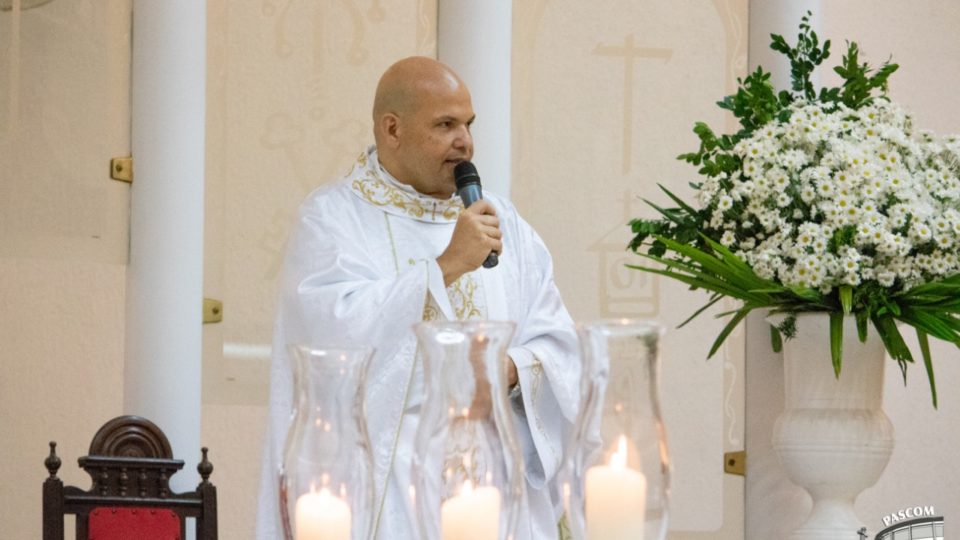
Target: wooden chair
[{"x": 130, "y": 463}]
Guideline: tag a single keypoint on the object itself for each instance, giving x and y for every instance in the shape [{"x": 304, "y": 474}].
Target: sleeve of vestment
[{"x": 545, "y": 352}]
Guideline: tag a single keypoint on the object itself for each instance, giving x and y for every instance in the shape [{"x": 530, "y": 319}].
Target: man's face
[{"x": 434, "y": 137}]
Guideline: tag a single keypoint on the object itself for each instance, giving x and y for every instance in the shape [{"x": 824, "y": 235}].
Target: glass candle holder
[
  {"x": 326, "y": 482},
  {"x": 616, "y": 478},
  {"x": 467, "y": 466}
]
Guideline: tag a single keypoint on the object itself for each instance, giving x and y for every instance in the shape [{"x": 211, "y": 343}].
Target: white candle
[
  {"x": 616, "y": 499},
  {"x": 472, "y": 515},
  {"x": 321, "y": 516}
]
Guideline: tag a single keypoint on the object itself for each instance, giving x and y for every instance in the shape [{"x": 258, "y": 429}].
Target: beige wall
[
  {"x": 289, "y": 95},
  {"x": 605, "y": 97},
  {"x": 63, "y": 241},
  {"x": 289, "y": 90}
]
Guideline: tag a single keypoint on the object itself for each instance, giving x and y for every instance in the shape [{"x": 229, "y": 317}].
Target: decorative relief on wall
[
  {"x": 427, "y": 28},
  {"x": 733, "y": 14},
  {"x": 630, "y": 54},
  {"x": 290, "y": 87},
  {"x": 271, "y": 243},
  {"x": 731, "y": 418},
  {"x": 623, "y": 292}
]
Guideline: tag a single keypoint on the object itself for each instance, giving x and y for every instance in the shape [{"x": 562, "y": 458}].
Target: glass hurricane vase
[
  {"x": 326, "y": 484},
  {"x": 467, "y": 464},
  {"x": 616, "y": 477}
]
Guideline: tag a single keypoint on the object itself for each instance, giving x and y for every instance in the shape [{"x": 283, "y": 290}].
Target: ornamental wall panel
[{"x": 605, "y": 97}]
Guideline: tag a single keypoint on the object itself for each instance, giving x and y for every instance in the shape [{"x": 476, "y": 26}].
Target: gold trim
[
  {"x": 393, "y": 244},
  {"x": 462, "y": 294},
  {"x": 380, "y": 193}
]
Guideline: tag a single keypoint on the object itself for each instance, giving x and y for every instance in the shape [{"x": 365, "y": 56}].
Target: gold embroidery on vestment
[
  {"x": 379, "y": 192},
  {"x": 464, "y": 298}
]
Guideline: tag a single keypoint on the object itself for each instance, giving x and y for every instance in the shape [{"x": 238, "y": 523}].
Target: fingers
[
  {"x": 476, "y": 233},
  {"x": 484, "y": 218},
  {"x": 482, "y": 207}
]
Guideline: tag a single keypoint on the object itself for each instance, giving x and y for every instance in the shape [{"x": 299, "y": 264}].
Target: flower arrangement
[{"x": 823, "y": 202}]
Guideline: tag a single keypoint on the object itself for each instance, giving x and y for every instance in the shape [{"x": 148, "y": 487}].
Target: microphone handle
[{"x": 470, "y": 194}]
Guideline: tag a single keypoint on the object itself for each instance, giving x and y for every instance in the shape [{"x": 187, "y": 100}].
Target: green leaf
[
  {"x": 893, "y": 341},
  {"x": 846, "y": 298},
  {"x": 727, "y": 330},
  {"x": 776, "y": 340},
  {"x": 862, "y": 319},
  {"x": 931, "y": 324},
  {"x": 716, "y": 298},
  {"x": 928, "y": 364},
  {"x": 689, "y": 209},
  {"x": 836, "y": 341}
]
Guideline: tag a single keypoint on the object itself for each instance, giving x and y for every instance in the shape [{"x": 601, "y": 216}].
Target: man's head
[{"x": 421, "y": 121}]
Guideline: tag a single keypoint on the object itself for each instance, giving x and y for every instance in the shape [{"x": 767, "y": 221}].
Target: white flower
[
  {"x": 919, "y": 231},
  {"x": 835, "y": 196},
  {"x": 728, "y": 238},
  {"x": 725, "y": 203}
]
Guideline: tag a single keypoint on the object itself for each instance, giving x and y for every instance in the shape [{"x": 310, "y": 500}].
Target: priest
[{"x": 390, "y": 245}]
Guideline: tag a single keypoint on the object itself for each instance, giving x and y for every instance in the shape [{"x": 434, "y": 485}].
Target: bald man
[{"x": 390, "y": 245}]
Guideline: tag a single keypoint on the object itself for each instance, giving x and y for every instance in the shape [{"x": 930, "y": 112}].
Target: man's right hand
[{"x": 475, "y": 235}]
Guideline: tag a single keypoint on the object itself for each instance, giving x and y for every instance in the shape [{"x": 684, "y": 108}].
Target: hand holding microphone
[
  {"x": 468, "y": 188},
  {"x": 476, "y": 236}
]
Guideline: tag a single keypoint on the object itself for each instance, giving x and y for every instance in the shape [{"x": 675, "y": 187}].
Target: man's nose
[{"x": 464, "y": 138}]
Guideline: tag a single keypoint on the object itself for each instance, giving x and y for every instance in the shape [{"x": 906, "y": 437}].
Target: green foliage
[
  {"x": 859, "y": 84},
  {"x": 804, "y": 58},
  {"x": 682, "y": 247}
]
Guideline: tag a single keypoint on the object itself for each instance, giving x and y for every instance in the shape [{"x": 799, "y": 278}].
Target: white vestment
[{"x": 361, "y": 270}]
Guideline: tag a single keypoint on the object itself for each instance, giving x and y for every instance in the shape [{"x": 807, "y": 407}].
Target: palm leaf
[
  {"x": 836, "y": 341},
  {"x": 728, "y": 329},
  {"x": 928, "y": 364}
]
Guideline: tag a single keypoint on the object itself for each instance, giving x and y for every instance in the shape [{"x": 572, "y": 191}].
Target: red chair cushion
[{"x": 112, "y": 523}]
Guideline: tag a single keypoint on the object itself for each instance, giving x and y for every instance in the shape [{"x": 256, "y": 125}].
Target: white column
[
  {"x": 165, "y": 275},
  {"x": 773, "y": 504},
  {"x": 473, "y": 38}
]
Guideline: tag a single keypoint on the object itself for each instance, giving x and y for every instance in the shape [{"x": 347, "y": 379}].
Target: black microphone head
[{"x": 465, "y": 173}]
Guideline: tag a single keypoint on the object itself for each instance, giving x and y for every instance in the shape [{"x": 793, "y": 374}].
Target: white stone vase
[{"x": 833, "y": 438}]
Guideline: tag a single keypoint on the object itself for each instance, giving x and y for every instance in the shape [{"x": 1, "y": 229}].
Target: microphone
[{"x": 468, "y": 188}]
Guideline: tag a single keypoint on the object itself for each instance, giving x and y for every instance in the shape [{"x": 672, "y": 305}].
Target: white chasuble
[{"x": 361, "y": 270}]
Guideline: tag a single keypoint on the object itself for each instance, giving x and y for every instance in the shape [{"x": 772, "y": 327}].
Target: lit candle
[
  {"x": 321, "y": 516},
  {"x": 616, "y": 499},
  {"x": 472, "y": 515}
]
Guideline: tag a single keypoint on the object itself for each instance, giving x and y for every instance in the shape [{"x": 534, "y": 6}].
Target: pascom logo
[
  {"x": 909, "y": 513},
  {"x": 913, "y": 523}
]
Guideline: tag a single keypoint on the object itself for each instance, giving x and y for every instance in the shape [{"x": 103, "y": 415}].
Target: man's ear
[{"x": 389, "y": 127}]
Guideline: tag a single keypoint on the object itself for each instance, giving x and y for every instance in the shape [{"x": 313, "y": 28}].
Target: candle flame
[
  {"x": 619, "y": 458},
  {"x": 467, "y": 488}
]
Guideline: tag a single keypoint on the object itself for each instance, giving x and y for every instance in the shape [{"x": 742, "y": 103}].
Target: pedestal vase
[{"x": 833, "y": 438}]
